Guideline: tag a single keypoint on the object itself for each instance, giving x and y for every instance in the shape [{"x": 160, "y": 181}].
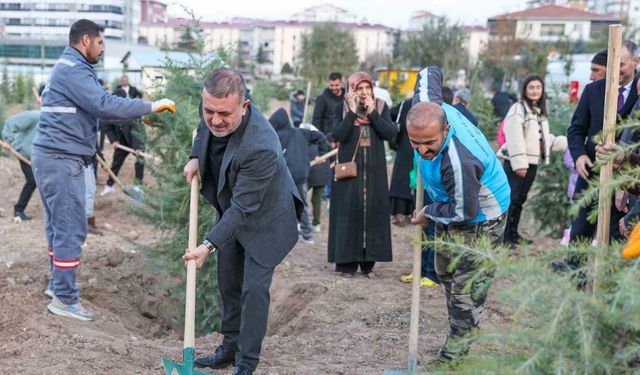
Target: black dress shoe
[
  {"x": 221, "y": 358},
  {"x": 241, "y": 371}
]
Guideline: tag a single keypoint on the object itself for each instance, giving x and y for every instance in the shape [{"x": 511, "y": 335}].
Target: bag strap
[
  {"x": 399, "y": 113},
  {"x": 357, "y": 146}
]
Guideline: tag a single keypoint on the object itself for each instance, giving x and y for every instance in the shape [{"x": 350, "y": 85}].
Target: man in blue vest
[{"x": 470, "y": 195}]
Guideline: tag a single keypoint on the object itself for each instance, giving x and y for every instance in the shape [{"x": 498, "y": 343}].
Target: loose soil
[{"x": 320, "y": 323}]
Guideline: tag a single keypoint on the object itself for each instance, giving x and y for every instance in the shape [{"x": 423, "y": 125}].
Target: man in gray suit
[{"x": 245, "y": 177}]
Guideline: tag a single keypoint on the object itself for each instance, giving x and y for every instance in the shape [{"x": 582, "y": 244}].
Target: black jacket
[
  {"x": 133, "y": 92},
  {"x": 327, "y": 112},
  {"x": 589, "y": 115},
  {"x": 403, "y": 163},
  {"x": 129, "y": 133},
  {"x": 295, "y": 145}
]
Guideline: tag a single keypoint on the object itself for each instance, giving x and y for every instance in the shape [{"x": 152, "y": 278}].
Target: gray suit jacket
[{"x": 259, "y": 200}]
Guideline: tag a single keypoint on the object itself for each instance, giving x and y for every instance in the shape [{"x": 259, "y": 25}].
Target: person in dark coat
[
  {"x": 319, "y": 176},
  {"x": 295, "y": 144},
  {"x": 461, "y": 101},
  {"x": 297, "y": 99},
  {"x": 401, "y": 200},
  {"x": 359, "y": 228},
  {"x": 245, "y": 178},
  {"x": 585, "y": 124},
  {"x": 502, "y": 101},
  {"x": 327, "y": 112},
  {"x": 128, "y": 133}
]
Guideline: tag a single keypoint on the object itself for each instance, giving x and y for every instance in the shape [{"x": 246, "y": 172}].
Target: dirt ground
[{"x": 320, "y": 323}]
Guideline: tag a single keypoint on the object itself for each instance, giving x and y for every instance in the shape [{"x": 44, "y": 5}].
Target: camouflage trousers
[{"x": 464, "y": 304}]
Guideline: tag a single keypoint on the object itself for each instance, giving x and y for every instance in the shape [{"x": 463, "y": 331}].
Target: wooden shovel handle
[
  {"x": 190, "y": 303},
  {"x": 324, "y": 157},
  {"x": 15, "y": 153},
  {"x": 109, "y": 171},
  {"x": 136, "y": 152},
  {"x": 414, "y": 323}
]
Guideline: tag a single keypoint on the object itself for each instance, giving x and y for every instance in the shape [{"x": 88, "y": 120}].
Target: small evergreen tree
[{"x": 167, "y": 203}]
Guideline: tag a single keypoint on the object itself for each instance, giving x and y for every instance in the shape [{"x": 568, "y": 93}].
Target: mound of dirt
[{"x": 320, "y": 323}]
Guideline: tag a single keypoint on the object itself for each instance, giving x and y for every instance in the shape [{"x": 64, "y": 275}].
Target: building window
[
  {"x": 552, "y": 29},
  {"x": 10, "y": 6}
]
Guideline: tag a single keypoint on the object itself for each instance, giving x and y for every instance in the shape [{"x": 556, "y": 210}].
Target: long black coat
[
  {"x": 400, "y": 182},
  {"x": 359, "y": 228}
]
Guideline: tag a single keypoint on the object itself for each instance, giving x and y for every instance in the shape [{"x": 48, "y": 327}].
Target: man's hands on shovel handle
[
  {"x": 200, "y": 254},
  {"x": 419, "y": 218},
  {"x": 191, "y": 169}
]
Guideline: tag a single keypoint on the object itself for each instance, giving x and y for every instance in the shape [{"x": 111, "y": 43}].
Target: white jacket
[{"x": 523, "y": 128}]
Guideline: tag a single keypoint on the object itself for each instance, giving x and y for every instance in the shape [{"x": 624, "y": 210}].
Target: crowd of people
[{"x": 257, "y": 174}]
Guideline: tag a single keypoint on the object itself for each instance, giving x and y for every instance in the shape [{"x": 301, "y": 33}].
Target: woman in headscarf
[{"x": 359, "y": 228}]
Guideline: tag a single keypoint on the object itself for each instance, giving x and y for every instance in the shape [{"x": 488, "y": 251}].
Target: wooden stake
[
  {"x": 414, "y": 324},
  {"x": 306, "y": 102},
  {"x": 610, "y": 116}
]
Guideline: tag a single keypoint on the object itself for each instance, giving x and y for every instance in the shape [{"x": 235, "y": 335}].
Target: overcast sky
[{"x": 393, "y": 13}]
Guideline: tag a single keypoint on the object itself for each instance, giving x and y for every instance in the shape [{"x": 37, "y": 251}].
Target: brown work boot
[{"x": 92, "y": 228}]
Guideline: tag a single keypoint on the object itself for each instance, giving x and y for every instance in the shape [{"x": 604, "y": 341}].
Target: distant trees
[
  {"x": 327, "y": 49},
  {"x": 439, "y": 43}
]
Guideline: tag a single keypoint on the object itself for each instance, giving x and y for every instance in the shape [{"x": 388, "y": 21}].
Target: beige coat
[{"x": 523, "y": 127}]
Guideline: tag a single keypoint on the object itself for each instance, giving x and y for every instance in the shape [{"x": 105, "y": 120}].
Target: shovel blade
[
  {"x": 134, "y": 194},
  {"x": 172, "y": 368}
]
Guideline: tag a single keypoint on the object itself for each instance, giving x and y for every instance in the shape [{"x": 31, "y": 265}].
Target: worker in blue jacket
[
  {"x": 65, "y": 142},
  {"x": 19, "y": 131},
  {"x": 470, "y": 198}
]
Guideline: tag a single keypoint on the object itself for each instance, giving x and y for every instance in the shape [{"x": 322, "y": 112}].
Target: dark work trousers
[
  {"x": 118, "y": 159},
  {"x": 316, "y": 203},
  {"x": 27, "y": 189},
  {"x": 428, "y": 267},
  {"x": 244, "y": 287},
  {"x": 582, "y": 229},
  {"x": 60, "y": 180},
  {"x": 305, "y": 226},
  {"x": 520, "y": 187}
]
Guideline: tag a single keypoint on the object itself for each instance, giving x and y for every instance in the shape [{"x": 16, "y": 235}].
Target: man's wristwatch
[{"x": 209, "y": 246}]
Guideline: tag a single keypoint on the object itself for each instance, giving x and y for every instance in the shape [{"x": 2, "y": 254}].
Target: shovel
[
  {"x": 414, "y": 323},
  {"x": 188, "y": 353},
  {"x": 130, "y": 191}
]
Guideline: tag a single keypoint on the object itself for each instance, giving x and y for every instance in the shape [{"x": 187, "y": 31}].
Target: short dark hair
[
  {"x": 447, "y": 94},
  {"x": 223, "y": 82},
  {"x": 542, "y": 103},
  {"x": 299, "y": 92},
  {"x": 335, "y": 75},
  {"x": 84, "y": 27},
  {"x": 631, "y": 47}
]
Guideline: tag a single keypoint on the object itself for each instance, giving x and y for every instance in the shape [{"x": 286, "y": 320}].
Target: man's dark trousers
[
  {"x": 582, "y": 229},
  {"x": 27, "y": 189},
  {"x": 244, "y": 321},
  {"x": 428, "y": 267}
]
